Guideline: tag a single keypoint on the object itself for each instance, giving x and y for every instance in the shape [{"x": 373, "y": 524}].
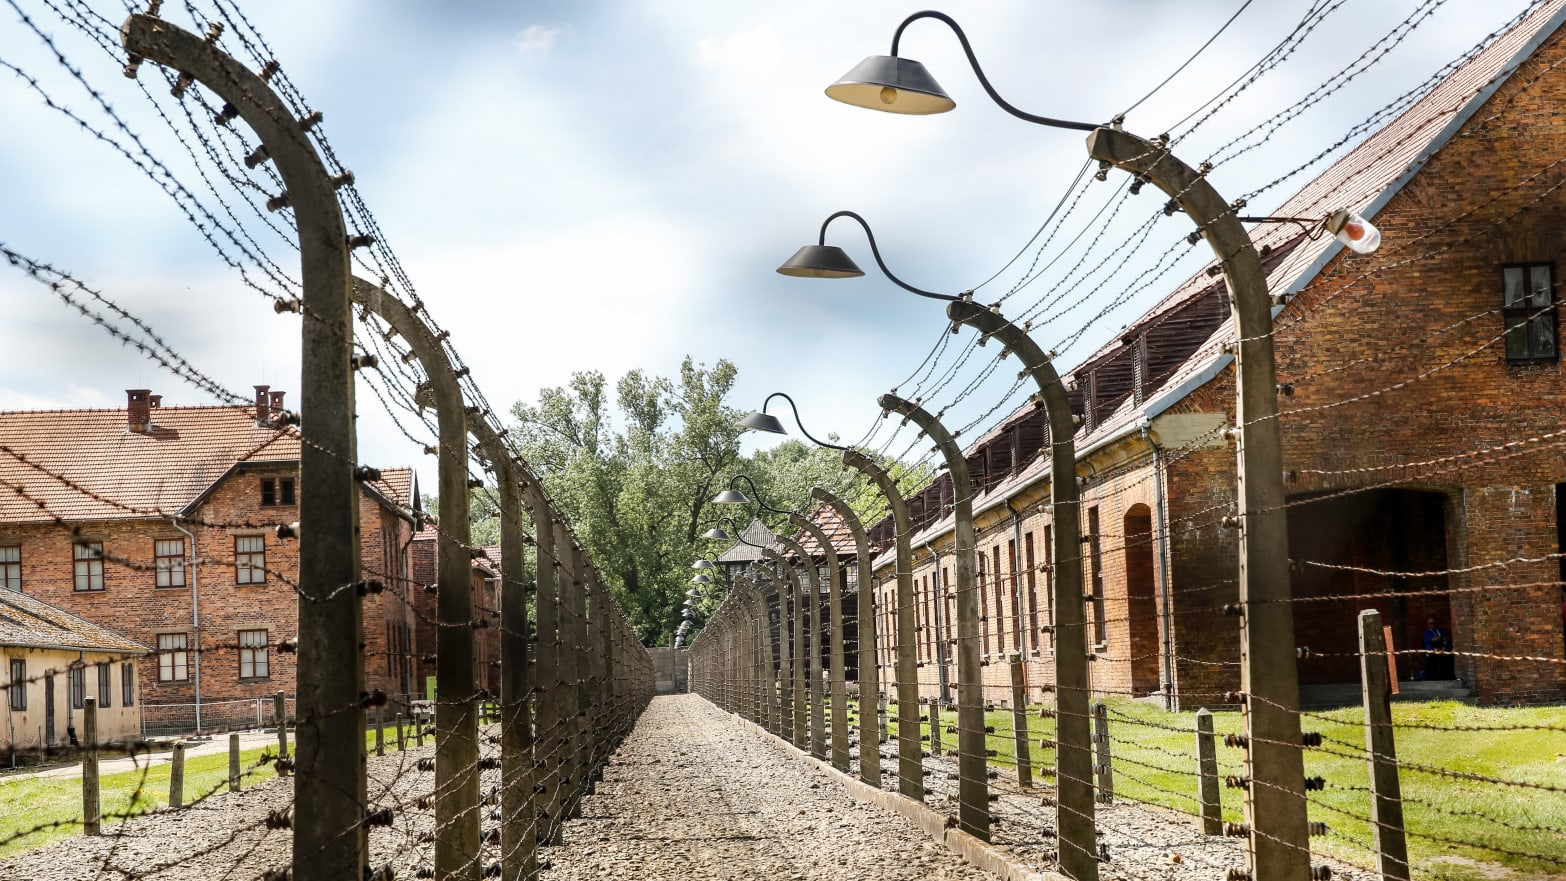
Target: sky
[{"x": 577, "y": 186}]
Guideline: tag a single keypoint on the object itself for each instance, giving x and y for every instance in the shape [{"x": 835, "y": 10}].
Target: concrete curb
[{"x": 978, "y": 853}]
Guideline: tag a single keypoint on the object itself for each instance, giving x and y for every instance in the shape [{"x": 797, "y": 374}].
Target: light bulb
[
  {"x": 1356, "y": 233},
  {"x": 888, "y": 95}
]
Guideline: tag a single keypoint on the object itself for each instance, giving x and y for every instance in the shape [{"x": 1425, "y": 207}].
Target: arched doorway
[{"x": 1141, "y": 607}]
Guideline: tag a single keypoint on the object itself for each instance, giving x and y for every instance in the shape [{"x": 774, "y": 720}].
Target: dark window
[
  {"x": 128, "y": 684},
  {"x": 1033, "y": 591},
  {"x": 18, "y": 684},
  {"x": 285, "y": 491},
  {"x": 88, "y": 561},
  {"x": 252, "y": 655},
  {"x": 1096, "y": 560},
  {"x": 78, "y": 677},
  {"x": 1528, "y": 309},
  {"x": 169, "y": 556},
  {"x": 105, "y": 693},
  {"x": 249, "y": 559},
  {"x": 268, "y": 492},
  {"x": 11, "y": 568},
  {"x": 1000, "y": 605},
  {"x": 984, "y": 605}
]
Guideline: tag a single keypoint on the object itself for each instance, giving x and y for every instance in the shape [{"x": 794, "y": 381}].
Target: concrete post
[
  {"x": 1075, "y": 826},
  {"x": 910, "y": 758},
  {"x": 92, "y": 812},
  {"x": 1278, "y": 848},
  {"x": 865, "y": 618},
  {"x": 781, "y": 586},
  {"x": 800, "y": 705},
  {"x": 1386, "y": 805},
  {"x": 1019, "y": 718},
  {"x": 973, "y": 792},
  {"x": 814, "y": 631},
  {"x": 549, "y": 742},
  {"x": 397, "y": 723},
  {"x": 330, "y": 796},
  {"x": 233, "y": 762},
  {"x": 1104, "y": 768},
  {"x": 456, "y": 707},
  {"x": 937, "y": 747},
  {"x": 380, "y": 732},
  {"x": 573, "y": 620},
  {"x": 835, "y": 641},
  {"x": 177, "y": 775},
  {"x": 1207, "y": 774}
]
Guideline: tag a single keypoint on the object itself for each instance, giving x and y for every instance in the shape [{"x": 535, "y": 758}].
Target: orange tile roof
[
  {"x": 29, "y": 622},
  {"x": 79, "y": 465}
]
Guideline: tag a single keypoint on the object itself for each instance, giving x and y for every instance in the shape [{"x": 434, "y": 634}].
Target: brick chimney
[
  {"x": 138, "y": 415},
  {"x": 275, "y": 403},
  {"x": 262, "y": 417},
  {"x": 156, "y": 401}
]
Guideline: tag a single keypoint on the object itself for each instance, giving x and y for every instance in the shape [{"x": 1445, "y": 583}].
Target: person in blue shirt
[{"x": 1437, "y": 639}]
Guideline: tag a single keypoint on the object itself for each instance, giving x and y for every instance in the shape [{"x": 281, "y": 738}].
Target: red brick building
[
  {"x": 160, "y": 523},
  {"x": 1421, "y": 405},
  {"x": 486, "y": 608}
]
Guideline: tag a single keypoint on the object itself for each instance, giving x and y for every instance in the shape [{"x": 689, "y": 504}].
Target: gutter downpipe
[
  {"x": 1161, "y": 536},
  {"x": 940, "y": 629},
  {"x": 1023, "y": 643},
  {"x": 195, "y": 613}
]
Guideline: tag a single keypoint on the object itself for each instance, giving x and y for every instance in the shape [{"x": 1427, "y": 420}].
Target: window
[
  {"x": 169, "y": 554},
  {"x": 11, "y": 568},
  {"x": 173, "y": 657},
  {"x": 1000, "y": 604},
  {"x": 1033, "y": 591},
  {"x": 984, "y": 604},
  {"x": 88, "y": 557},
  {"x": 18, "y": 684},
  {"x": 1529, "y": 312},
  {"x": 1096, "y": 560},
  {"x": 252, "y": 654},
  {"x": 277, "y": 491},
  {"x": 127, "y": 684},
  {"x": 249, "y": 559},
  {"x": 105, "y": 694},
  {"x": 78, "y": 677}
]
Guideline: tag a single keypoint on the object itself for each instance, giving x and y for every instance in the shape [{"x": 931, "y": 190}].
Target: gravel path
[{"x": 693, "y": 794}]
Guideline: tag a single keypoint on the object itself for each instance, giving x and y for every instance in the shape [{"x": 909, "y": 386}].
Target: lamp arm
[
  {"x": 795, "y": 408},
  {"x": 984, "y": 80},
  {"x": 876, "y": 252},
  {"x": 756, "y": 494}
]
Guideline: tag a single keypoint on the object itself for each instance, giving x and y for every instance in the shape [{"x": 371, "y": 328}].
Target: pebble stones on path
[{"x": 691, "y": 794}]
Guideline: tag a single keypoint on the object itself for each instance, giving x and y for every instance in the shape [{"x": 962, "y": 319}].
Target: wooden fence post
[
  {"x": 280, "y": 716},
  {"x": 880, "y": 713},
  {"x": 1106, "y": 773},
  {"x": 177, "y": 777},
  {"x": 936, "y": 747},
  {"x": 380, "y": 732},
  {"x": 233, "y": 762},
  {"x": 400, "y": 741},
  {"x": 1386, "y": 806},
  {"x": 91, "y": 807},
  {"x": 1207, "y": 774}
]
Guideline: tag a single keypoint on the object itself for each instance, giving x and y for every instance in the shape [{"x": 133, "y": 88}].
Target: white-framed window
[
  {"x": 253, "y": 655},
  {"x": 88, "y": 562},
  {"x": 173, "y": 657},
  {"x": 11, "y": 567},
  {"x": 169, "y": 556},
  {"x": 249, "y": 559}
]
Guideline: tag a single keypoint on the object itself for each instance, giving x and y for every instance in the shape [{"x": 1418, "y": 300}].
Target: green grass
[
  {"x": 38, "y": 811},
  {"x": 1457, "y": 829}
]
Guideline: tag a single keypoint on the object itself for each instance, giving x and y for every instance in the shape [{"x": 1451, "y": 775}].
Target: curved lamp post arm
[
  {"x": 979, "y": 72},
  {"x": 755, "y": 495},
  {"x": 973, "y": 808},
  {"x": 875, "y": 251},
  {"x": 330, "y": 790},
  {"x": 792, "y": 406},
  {"x": 1278, "y": 843}
]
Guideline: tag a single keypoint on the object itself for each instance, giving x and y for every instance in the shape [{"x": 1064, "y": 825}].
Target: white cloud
[{"x": 538, "y": 40}]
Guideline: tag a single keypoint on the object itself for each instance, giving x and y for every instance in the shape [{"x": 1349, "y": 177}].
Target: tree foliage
[{"x": 634, "y": 471}]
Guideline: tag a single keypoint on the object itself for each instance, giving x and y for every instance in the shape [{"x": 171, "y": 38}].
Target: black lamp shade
[
  {"x": 891, "y": 84},
  {"x": 716, "y": 533},
  {"x": 762, "y": 422},
  {"x": 820, "y": 261},
  {"x": 730, "y": 497},
  {"x": 702, "y": 564}
]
